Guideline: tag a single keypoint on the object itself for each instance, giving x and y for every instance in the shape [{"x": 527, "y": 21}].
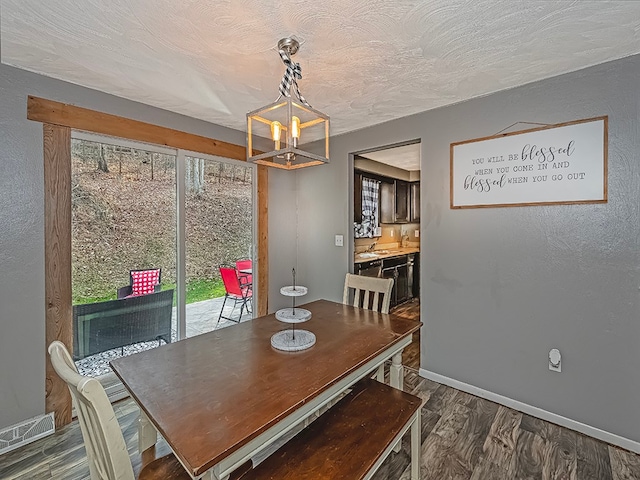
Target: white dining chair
[
  {"x": 106, "y": 449},
  {"x": 371, "y": 293},
  {"x": 368, "y": 292}
]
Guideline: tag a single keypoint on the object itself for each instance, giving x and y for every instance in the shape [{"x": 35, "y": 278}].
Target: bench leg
[
  {"x": 147, "y": 434},
  {"x": 416, "y": 447},
  {"x": 396, "y": 377}
]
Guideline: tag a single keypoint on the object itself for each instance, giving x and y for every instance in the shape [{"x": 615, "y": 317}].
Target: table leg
[
  {"x": 396, "y": 377},
  {"x": 416, "y": 447},
  {"x": 396, "y": 373},
  {"x": 147, "y": 434}
]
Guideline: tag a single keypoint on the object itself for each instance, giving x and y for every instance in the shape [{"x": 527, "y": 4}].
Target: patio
[{"x": 201, "y": 318}]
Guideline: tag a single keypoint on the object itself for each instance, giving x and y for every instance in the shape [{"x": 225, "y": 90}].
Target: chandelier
[{"x": 288, "y": 133}]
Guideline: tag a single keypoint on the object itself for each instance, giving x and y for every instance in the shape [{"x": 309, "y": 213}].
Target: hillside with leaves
[{"x": 124, "y": 218}]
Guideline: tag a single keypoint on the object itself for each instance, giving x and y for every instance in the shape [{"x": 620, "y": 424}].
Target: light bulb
[
  {"x": 295, "y": 130},
  {"x": 276, "y": 133}
]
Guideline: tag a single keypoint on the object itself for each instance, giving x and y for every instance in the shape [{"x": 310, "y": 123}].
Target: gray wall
[
  {"x": 22, "y": 343},
  {"x": 501, "y": 286}
]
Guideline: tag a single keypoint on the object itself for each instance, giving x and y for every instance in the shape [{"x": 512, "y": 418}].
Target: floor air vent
[{"x": 26, "y": 432}]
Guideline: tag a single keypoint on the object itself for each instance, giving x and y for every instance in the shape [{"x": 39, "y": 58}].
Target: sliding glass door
[
  {"x": 151, "y": 227},
  {"x": 218, "y": 219},
  {"x": 123, "y": 247}
]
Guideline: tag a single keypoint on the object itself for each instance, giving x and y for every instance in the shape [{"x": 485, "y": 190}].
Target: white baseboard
[{"x": 594, "y": 432}]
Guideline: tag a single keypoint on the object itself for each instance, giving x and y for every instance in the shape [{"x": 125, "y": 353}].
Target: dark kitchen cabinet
[
  {"x": 387, "y": 202},
  {"x": 357, "y": 197},
  {"x": 394, "y": 201},
  {"x": 402, "y": 201},
  {"x": 399, "y": 268},
  {"x": 399, "y": 199},
  {"x": 414, "y": 210},
  {"x": 413, "y": 264}
]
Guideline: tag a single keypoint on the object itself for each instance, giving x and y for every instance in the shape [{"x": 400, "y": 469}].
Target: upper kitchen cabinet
[
  {"x": 402, "y": 201},
  {"x": 388, "y": 201},
  {"x": 396, "y": 201},
  {"x": 357, "y": 197},
  {"x": 414, "y": 211}
]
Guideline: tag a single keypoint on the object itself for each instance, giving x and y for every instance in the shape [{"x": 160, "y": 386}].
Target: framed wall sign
[{"x": 557, "y": 164}]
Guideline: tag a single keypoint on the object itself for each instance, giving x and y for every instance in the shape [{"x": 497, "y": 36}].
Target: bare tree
[
  {"x": 194, "y": 175},
  {"x": 102, "y": 159}
]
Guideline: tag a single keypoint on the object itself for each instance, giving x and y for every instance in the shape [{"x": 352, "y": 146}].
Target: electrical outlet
[
  {"x": 416, "y": 233},
  {"x": 555, "y": 360},
  {"x": 339, "y": 241}
]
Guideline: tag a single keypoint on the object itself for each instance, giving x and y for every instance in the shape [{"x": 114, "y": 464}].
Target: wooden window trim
[{"x": 58, "y": 119}]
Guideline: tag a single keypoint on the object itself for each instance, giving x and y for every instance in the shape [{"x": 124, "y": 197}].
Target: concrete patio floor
[{"x": 202, "y": 317}]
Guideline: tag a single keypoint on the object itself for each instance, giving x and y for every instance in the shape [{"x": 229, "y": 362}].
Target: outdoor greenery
[
  {"x": 197, "y": 290},
  {"x": 123, "y": 218}
]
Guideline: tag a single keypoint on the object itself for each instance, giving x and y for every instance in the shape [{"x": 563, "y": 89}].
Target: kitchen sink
[
  {"x": 377, "y": 253},
  {"x": 368, "y": 255}
]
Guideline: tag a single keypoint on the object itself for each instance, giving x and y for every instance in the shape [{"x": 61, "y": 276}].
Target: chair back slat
[
  {"x": 365, "y": 300},
  {"x": 380, "y": 287},
  {"x": 356, "y": 297},
  {"x": 376, "y": 298},
  {"x": 106, "y": 449}
]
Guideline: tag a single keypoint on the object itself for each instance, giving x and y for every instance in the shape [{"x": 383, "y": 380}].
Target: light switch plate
[
  {"x": 339, "y": 241},
  {"x": 416, "y": 233}
]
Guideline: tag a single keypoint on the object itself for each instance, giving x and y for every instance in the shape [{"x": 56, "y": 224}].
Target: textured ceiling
[
  {"x": 363, "y": 61},
  {"x": 406, "y": 157}
]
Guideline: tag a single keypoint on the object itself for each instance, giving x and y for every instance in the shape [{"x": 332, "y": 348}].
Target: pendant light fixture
[{"x": 288, "y": 133}]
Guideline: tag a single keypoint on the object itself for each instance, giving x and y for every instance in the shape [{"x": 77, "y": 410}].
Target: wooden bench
[{"x": 350, "y": 441}]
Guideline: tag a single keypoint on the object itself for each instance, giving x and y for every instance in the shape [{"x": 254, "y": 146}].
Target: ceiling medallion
[{"x": 288, "y": 133}]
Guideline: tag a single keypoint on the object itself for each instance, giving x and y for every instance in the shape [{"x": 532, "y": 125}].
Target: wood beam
[
  {"x": 57, "y": 247},
  {"x": 263, "y": 239},
  {"x": 56, "y": 113}
]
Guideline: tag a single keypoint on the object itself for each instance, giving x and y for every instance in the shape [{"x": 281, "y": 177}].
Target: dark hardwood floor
[{"x": 463, "y": 438}]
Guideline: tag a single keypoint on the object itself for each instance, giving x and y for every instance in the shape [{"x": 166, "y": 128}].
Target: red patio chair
[
  {"x": 141, "y": 282},
  {"x": 242, "y": 266},
  {"x": 234, "y": 291}
]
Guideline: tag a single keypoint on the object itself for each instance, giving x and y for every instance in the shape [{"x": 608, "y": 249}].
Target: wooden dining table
[{"x": 222, "y": 397}]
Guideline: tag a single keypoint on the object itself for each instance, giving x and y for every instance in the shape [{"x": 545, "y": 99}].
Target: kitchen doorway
[{"x": 386, "y": 226}]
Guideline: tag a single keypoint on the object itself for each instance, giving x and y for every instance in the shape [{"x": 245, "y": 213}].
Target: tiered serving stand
[{"x": 292, "y": 340}]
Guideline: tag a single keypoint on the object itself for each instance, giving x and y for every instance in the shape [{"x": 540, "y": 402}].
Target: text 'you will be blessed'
[{"x": 533, "y": 164}]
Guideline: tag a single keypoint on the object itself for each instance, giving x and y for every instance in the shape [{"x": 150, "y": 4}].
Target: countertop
[{"x": 384, "y": 253}]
